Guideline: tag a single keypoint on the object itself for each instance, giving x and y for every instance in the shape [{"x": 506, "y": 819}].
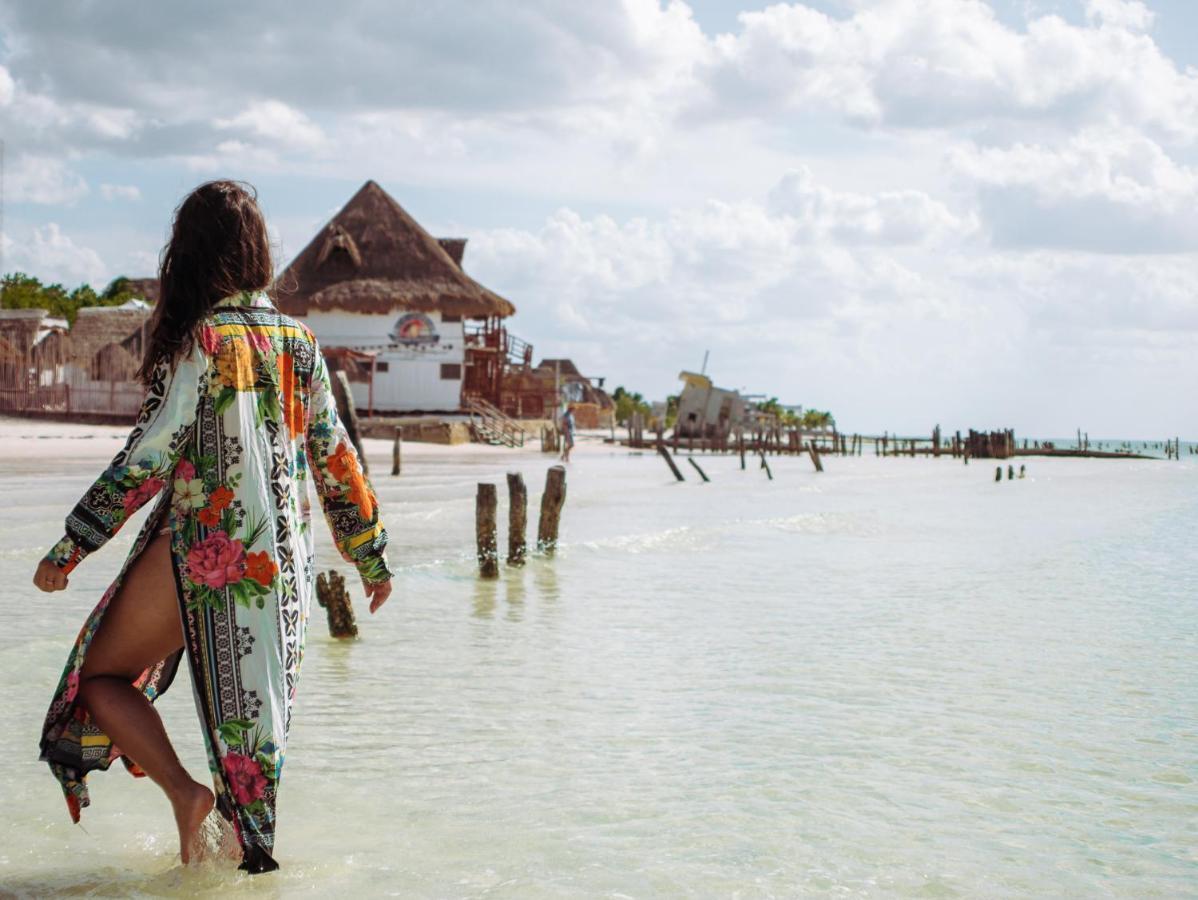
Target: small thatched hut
[
  {"x": 373, "y": 281},
  {"x": 104, "y": 348}
]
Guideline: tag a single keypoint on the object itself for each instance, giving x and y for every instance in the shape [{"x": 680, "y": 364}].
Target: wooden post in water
[
  {"x": 348, "y": 414},
  {"x": 998, "y": 474},
  {"x": 740, "y": 443},
  {"x": 551, "y": 509},
  {"x": 765, "y": 465},
  {"x": 1023, "y": 470},
  {"x": 1010, "y": 472},
  {"x": 665, "y": 454},
  {"x": 485, "y": 504},
  {"x": 331, "y": 594},
  {"x": 819, "y": 466},
  {"x": 702, "y": 474},
  {"x": 517, "y": 519},
  {"x": 396, "y": 451}
]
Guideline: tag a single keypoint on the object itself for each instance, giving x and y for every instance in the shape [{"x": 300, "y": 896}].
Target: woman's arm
[
  {"x": 345, "y": 494},
  {"x": 140, "y": 470}
]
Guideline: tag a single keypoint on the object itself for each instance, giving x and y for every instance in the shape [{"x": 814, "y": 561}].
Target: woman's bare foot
[{"x": 191, "y": 808}]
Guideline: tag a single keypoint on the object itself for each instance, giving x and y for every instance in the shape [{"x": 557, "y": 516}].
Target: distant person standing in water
[
  {"x": 567, "y": 433},
  {"x": 238, "y": 416}
]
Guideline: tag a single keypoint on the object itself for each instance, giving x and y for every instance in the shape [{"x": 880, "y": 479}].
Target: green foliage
[
  {"x": 627, "y": 404},
  {"x": 21, "y": 291},
  {"x": 814, "y": 418},
  {"x": 811, "y": 418}
]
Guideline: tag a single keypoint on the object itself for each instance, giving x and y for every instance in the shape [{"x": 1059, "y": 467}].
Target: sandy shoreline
[{"x": 21, "y": 439}]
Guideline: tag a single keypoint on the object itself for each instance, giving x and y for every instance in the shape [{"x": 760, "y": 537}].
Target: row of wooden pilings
[
  {"x": 1010, "y": 472},
  {"x": 486, "y": 520},
  {"x": 773, "y": 441},
  {"x": 782, "y": 440},
  {"x": 665, "y": 454}
]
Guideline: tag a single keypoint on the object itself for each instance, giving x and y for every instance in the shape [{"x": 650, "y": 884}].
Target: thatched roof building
[
  {"x": 148, "y": 289},
  {"x": 373, "y": 257},
  {"x": 98, "y": 326},
  {"x": 21, "y": 328}
]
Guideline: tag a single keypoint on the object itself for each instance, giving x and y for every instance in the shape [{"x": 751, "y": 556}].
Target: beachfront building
[
  {"x": 707, "y": 411},
  {"x": 89, "y": 368},
  {"x": 30, "y": 354},
  {"x": 542, "y": 393},
  {"x": 392, "y": 307},
  {"x": 103, "y": 351},
  {"x": 593, "y": 407}
]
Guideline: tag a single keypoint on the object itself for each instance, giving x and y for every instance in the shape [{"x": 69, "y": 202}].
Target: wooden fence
[{"x": 111, "y": 399}]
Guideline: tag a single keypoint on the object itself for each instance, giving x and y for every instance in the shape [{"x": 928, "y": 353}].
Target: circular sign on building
[{"x": 414, "y": 328}]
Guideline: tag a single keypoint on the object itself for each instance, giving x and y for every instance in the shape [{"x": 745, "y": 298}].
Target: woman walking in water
[{"x": 237, "y": 418}]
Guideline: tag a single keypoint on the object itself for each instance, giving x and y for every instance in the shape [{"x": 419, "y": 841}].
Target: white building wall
[{"x": 413, "y": 377}]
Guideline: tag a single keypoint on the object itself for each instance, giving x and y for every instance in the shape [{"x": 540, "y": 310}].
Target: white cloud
[
  {"x": 46, "y": 180},
  {"x": 7, "y": 87},
  {"x": 275, "y": 121},
  {"x": 936, "y": 63},
  {"x": 1130, "y": 14},
  {"x": 1104, "y": 190},
  {"x": 890, "y": 217},
  {"x": 52, "y": 255},
  {"x": 120, "y": 192}
]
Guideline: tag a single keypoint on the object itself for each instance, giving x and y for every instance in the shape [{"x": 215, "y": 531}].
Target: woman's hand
[
  {"x": 50, "y": 578},
  {"x": 377, "y": 594}
]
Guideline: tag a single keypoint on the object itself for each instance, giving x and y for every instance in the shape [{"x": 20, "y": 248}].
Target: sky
[{"x": 909, "y": 212}]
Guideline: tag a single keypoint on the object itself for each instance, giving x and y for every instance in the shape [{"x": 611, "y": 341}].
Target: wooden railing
[
  {"x": 115, "y": 399},
  {"x": 491, "y": 426}
]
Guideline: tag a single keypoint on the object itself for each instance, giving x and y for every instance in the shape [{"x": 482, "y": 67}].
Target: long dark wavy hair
[{"x": 218, "y": 247}]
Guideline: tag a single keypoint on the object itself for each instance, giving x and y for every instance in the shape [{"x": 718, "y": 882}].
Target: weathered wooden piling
[
  {"x": 1022, "y": 471},
  {"x": 332, "y": 595},
  {"x": 1010, "y": 473},
  {"x": 740, "y": 443},
  {"x": 396, "y": 451},
  {"x": 665, "y": 454},
  {"x": 485, "y": 530},
  {"x": 551, "y": 509},
  {"x": 517, "y": 519},
  {"x": 348, "y": 414},
  {"x": 998, "y": 474},
  {"x": 819, "y": 466},
  {"x": 765, "y": 465},
  {"x": 702, "y": 474}
]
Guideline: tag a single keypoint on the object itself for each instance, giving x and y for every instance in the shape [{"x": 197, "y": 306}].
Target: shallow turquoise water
[{"x": 894, "y": 678}]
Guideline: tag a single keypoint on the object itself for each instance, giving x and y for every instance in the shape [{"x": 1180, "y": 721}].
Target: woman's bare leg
[{"x": 140, "y": 628}]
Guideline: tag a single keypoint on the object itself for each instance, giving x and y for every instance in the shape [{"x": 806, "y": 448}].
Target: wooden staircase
[{"x": 492, "y": 426}]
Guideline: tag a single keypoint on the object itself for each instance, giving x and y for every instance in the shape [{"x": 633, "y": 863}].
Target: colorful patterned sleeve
[
  {"x": 345, "y": 494},
  {"x": 140, "y": 470}
]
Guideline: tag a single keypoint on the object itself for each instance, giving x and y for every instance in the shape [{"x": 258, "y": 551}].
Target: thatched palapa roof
[
  {"x": 373, "y": 257},
  {"x": 97, "y": 326},
  {"x": 147, "y": 288}
]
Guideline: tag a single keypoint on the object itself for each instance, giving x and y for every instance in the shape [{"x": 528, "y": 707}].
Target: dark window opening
[
  {"x": 451, "y": 371},
  {"x": 382, "y": 367},
  {"x": 446, "y": 317}
]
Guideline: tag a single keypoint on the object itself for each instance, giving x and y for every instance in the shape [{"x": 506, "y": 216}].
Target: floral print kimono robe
[{"x": 227, "y": 440}]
